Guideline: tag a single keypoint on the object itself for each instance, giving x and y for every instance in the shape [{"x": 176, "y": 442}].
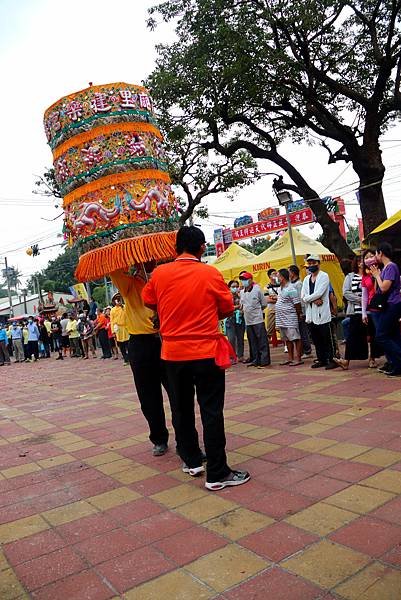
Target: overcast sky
[{"x": 49, "y": 49}]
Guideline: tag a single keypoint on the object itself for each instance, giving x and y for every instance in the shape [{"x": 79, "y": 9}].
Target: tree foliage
[
  {"x": 353, "y": 237},
  {"x": 59, "y": 272},
  {"x": 259, "y": 245},
  {"x": 14, "y": 275},
  {"x": 259, "y": 72},
  {"x": 195, "y": 171},
  {"x": 99, "y": 294},
  {"x": 46, "y": 184}
]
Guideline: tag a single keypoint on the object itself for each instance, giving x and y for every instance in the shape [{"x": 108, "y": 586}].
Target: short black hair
[
  {"x": 189, "y": 239},
  {"x": 386, "y": 249},
  {"x": 347, "y": 265},
  {"x": 233, "y": 281},
  {"x": 356, "y": 261},
  {"x": 294, "y": 269},
  {"x": 270, "y": 271},
  {"x": 285, "y": 273}
]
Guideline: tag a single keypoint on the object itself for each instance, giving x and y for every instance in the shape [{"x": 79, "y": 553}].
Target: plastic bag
[{"x": 225, "y": 353}]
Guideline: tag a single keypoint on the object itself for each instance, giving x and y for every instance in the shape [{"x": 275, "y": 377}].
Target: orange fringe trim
[
  {"x": 115, "y": 179},
  {"x": 95, "y": 88},
  {"x": 86, "y": 136},
  {"x": 125, "y": 253}
]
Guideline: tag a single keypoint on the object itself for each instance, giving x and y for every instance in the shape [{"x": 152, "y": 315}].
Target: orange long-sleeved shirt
[{"x": 190, "y": 297}]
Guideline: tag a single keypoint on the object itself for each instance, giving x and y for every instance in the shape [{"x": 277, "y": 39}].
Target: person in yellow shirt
[
  {"x": 48, "y": 326},
  {"x": 118, "y": 322},
  {"x": 73, "y": 334},
  {"x": 144, "y": 348}
]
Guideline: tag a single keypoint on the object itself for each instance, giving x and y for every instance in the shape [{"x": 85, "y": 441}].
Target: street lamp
[{"x": 284, "y": 199}]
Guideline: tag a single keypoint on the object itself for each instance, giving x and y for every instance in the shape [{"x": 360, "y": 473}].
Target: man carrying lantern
[{"x": 190, "y": 298}]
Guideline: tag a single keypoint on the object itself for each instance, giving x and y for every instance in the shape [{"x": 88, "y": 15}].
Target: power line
[{"x": 336, "y": 179}]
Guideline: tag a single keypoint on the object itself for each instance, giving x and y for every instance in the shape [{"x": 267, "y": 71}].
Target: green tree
[
  {"x": 49, "y": 285},
  {"x": 353, "y": 237},
  {"x": 46, "y": 184},
  {"x": 259, "y": 72},
  {"x": 14, "y": 275},
  {"x": 59, "y": 271},
  {"x": 258, "y": 245},
  {"x": 99, "y": 294},
  {"x": 197, "y": 172}
]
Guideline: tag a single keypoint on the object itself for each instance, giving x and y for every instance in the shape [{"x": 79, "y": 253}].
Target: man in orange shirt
[
  {"x": 190, "y": 298},
  {"x": 101, "y": 331}
]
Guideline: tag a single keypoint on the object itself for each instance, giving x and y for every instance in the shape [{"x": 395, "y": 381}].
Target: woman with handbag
[
  {"x": 387, "y": 304},
  {"x": 359, "y": 286}
]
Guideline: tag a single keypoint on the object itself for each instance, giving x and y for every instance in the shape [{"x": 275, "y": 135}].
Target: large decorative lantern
[{"x": 109, "y": 163}]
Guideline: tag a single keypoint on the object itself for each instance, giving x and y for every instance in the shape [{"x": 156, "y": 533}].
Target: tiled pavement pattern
[{"x": 87, "y": 513}]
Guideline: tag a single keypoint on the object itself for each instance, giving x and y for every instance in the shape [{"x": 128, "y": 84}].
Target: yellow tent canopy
[
  {"x": 230, "y": 263},
  {"x": 279, "y": 256},
  {"x": 389, "y": 231}
]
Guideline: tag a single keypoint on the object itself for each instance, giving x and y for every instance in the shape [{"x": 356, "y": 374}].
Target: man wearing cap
[
  {"x": 315, "y": 295},
  {"x": 253, "y": 304},
  {"x": 118, "y": 322},
  {"x": 191, "y": 297}
]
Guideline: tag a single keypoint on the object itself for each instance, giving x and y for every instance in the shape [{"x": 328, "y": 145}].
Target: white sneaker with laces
[{"x": 234, "y": 478}]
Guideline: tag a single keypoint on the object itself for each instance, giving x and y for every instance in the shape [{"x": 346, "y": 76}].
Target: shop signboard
[{"x": 279, "y": 223}]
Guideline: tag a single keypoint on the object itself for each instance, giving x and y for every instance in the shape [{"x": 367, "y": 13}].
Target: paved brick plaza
[{"x": 87, "y": 513}]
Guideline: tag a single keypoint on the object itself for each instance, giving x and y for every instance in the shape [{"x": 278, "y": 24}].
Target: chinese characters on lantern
[
  {"x": 74, "y": 110},
  {"x": 101, "y": 102}
]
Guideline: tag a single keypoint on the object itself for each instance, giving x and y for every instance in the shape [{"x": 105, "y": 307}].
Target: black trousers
[
  {"x": 184, "y": 377},
  {"x": 124, "y": 350},
  {"x": 149, "y": 376},
  {"x": 259, "y": 344},
  {"x": 305, "y": 337},
  {"x": 104, "y": 343},
  {"x": 33, "y": 348},
  {"x": 323, "y": 341}
]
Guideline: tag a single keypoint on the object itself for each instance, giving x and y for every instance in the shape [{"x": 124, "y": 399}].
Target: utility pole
[
  {"x": 106, "y": 291},
  {"x": 38, "y": 289},
  {"x": 9, "y": 288}
]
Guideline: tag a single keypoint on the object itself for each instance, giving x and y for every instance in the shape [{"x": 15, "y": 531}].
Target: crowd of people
[
  {"x": 165, "y": 323},
  {"x": 75, "y": 335},
  {"x": 305, "y": 313}
]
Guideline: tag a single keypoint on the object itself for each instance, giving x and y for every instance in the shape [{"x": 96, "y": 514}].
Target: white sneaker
[
  {"x": 193, "y": 471},
  {"x": 234, "y": 478}
]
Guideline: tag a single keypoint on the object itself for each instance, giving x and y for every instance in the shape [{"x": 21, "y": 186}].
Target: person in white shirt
[
  {"x": 315, "y": 295},
  {"x": 253, "y": 303}
]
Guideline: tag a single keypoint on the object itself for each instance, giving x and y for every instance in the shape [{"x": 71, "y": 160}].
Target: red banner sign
[{"x": 300, "y": 217}]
